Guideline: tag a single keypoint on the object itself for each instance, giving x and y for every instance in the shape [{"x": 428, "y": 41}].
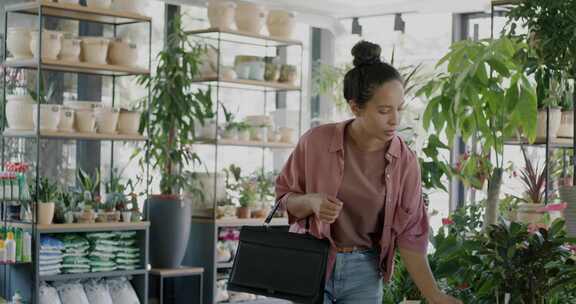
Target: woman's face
[{"x": 380, "y": 116}]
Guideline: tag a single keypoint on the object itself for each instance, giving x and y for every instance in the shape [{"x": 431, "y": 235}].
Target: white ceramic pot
[
  {"x": 228, "y": 73},
  {"x": 107, "y": 120},
  {"x": 230, "y": 134},
  {"x": 566, "y": 125},
  {"x": 259, "y": 134},
  {"x": 274, "y": 136},
  {"x": 281, "y": 23},
  {"x": 95, "y": 49},
  {"x": 244, "y": 135},
  {"x": 126, "y": 216},
  {"x": 555, "y": 117},
  {"x": 208, "y": 130},
  {"x": 45, "y": 213},
  {"x": 99, "y": 4},
  {"x": 82, "y": 105},
  {"x": 51, "y": 44},
  {"x": 129, "y": 122},
  {"x": 19, "y": 112},
  {"x": 243, "y": 70},
  {"x": 18, "y": 42},
  {"x": 287, "y": 135},
  {"x": 257, "y": 70},
  {"x": 250, "y": 17},
  {"x": 85, "y": 121},
  {"x": 123, "y": 52},
  {"x": 529, "y": 214},
  {"x": 221, "y": 14},
  {"x": 66, "y": 120},
  {"x": 69, "y": 217},
  {"x": 71, "y": 48},
  {"x": 49, "y": 116}
]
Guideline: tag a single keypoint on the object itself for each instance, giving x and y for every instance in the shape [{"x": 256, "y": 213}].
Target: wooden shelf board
[
  {"x": 77, "y": 67},
  {"x": 90, "y": 275},
  {"x": 177, "y": 272},
  {"x": 272, "y": 41},
  {"x": 505, "y": 2},
  {"x": 64, "y": 228},
  {"x": 555, "y": 142},
  {"x": 252, "y": 83},
  {"x": 238, "y": 143},
  {"x": 77, "y": 12},
  {"x": 74, "y": 135}
]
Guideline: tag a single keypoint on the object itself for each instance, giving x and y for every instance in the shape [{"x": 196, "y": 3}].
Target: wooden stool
[{"x": 178, "y": 272}]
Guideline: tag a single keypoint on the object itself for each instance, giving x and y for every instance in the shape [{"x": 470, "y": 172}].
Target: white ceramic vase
[
  {"x": 45, "y": 213},
  {"x": 49, "y": 116},
  {"x": 95, "y": 49},
  {"x": 71, "y": 48},
  {"x": 51, "y": 44},
  {"x": 18, "y": 42},
  {"x": 19, "y": 112}
]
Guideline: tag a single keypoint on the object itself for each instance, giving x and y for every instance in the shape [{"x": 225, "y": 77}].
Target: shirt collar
[{"x": 337, "y": 143}]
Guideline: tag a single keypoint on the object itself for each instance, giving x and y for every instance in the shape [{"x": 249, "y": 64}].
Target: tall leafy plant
[
  {"x": 483, "y": 93},
  {"x": 176, "y": 107}
]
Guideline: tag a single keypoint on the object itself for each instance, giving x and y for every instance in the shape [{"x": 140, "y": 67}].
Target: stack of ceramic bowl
[{"x": 568, "y": 195}]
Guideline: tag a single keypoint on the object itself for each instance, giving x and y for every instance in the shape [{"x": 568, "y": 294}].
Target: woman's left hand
[{"x": 442, "y": 298}]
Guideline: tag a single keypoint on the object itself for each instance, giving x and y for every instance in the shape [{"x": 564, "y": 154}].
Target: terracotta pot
[
  {"x": 281, "y": 23},
  {"x": 566, "y": 125},
  {"x": 243, "y": 212},
  {"x": 528, "y": 214},
  {"x": 221, "y": 14}
]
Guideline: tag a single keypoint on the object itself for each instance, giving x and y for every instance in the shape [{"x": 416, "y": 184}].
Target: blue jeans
[{"x": 355, "y": 280}]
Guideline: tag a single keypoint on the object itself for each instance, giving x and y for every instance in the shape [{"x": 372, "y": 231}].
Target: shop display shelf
[
  {"x": 541, "y": 142},
  {"x": 77, "y": 12},
  {"x": 77, "y": 67},
  {"x": 95, "y": 227},
  {"x": 250, "y": 84},
  {"x": 228, "y": 35},
  {"x": 238, "y": 143},
  {"x": 92, "y": 275},
  {"x": 73, "y": 135}
]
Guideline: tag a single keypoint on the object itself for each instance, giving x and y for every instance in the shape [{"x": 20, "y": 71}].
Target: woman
[{"x": 359, "y": 185}]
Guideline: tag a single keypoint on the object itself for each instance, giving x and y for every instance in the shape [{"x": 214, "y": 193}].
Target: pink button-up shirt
[{"x": 317, "y": 166}]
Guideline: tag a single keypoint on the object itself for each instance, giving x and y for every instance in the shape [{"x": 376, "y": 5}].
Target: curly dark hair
[{"x": 369, "y": 72}]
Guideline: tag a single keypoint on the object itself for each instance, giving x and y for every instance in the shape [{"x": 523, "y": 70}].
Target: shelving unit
[
  {"x": 206, "y": 228},
  {"x": 28, "y": 277},
  {"x": 547, "y": 143}
]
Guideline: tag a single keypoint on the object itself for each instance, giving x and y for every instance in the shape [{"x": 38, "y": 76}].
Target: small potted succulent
[{"x": 230, "y": 130}]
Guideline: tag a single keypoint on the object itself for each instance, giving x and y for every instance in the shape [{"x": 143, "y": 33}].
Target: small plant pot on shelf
[
  {"x": 244, "y": 135},
  {"x": 250, "y": 17},
  {"x": 66, "y": 120},
  {"x": 123, "y": 52},
  {"x": 260, "y": 213},
  {"x": 19, "y": 112},
  {"x": 45, "y": 213},
  {"x": 69, "y": 217},
  {"x": 85, "y": 121},
  {"x": 129, "y": 122},
  {"x": 127, "y": 216},
  {"x": 106, "y": 120},
  {"x": 281, "y": 24},
  {"x": 243, "y": 212},
  {"x": 555, "y": 117},
  {"x": 18, "y": 42},
  {"x": 71, "y": 48},
  {"x": 51, "y": 44},
  {"x": 230, "y": 134},
  {"x": 49, "y": 116},
  {"x": 95, "y": 49},
  {"x": 208, "y": 130},
  {"x": 221, "y": 14},
  {"x": 99, "y": 4},
  {"x": 566, "y": 129},
  {"x": 528, "y": 213}
]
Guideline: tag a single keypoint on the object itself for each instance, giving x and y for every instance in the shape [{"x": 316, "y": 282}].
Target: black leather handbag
[{"x": 272, "y": 262}]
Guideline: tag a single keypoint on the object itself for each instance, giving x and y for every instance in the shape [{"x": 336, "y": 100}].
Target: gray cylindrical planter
[
  {"x": 568, "y": 195},
  {"x": 170, "y": 220}
]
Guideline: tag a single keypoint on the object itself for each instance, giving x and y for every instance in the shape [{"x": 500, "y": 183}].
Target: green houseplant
[
  {"x": 484, "y": 94},
  {"x": 534, "y": 181},
  {"x": 175, "y": 109},
  {"x": 45, "y": 199}
]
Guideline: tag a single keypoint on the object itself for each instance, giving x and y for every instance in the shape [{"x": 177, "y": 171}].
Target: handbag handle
[{"x": 271, "y": 215}]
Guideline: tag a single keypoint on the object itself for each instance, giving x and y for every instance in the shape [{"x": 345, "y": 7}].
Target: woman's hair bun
[{"x": 366, "y": 53}]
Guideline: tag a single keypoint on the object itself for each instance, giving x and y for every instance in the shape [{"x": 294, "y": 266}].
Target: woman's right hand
[{"x": 325, "y": 208}]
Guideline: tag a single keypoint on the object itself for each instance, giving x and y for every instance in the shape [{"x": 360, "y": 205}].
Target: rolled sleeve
[
  {"x": 291, "y": 179},
  {"x": 414, "y": 236}
]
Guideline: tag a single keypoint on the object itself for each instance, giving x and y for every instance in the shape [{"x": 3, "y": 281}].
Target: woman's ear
[{"x": 355, "y": 107}]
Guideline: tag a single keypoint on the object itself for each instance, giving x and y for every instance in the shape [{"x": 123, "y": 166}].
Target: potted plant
[
  {"x": 175, "y": 108},
  {"x": 534, "y": 180},
  {"x": 65, "y": 205},
  {"x": 485, "y": 94},
  {"x": 244, "y": 131},
  {"x": 566, "y": 129},
  {"x": 247, "y": 200},
  {"x": 45, "y": 199},
  {"x": 265, "y": 193},
  {"x": 230, "y": 130}
]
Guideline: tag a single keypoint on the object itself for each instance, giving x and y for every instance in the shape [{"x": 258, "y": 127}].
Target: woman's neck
[{"x": 363, "y": 140}]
